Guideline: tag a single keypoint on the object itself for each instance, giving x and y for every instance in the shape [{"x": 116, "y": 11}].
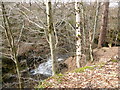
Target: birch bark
[
  {"x": 78, "y": 34},
  {"x": 51, "y": 35}
]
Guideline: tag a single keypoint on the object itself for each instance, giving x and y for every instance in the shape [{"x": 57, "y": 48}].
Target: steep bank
[{"x": 103, "y": 73}]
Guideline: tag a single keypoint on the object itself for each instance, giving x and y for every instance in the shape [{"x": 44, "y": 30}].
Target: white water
[{"x": 45, "y": 68}]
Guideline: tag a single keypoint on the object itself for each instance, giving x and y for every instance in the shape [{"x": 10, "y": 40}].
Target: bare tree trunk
[
  {"x": 92, "y": 36},
  {"x": 51, "y": 35},
  {"x": 78, "y": 34},
  {"x": 103, "y": 29},
  {"x": 118, "y": 27},
  {"x": 11, "y": 42},
  {"x": 90, "y": 45},
  {"x": 96, "y": 19},
  {"x": 83, "y": 23},
  {"x": 119, "y": 16}
]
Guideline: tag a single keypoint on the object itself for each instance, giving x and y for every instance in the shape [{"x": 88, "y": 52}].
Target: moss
[
  {"x": 114, "y": 60},
  {"x": 100, "y": 65},
  {"x": 59, "y": 77},
  {"x": 84, "y": 68},
  {"x": 43, "y": 84},
  {"x": 60, "y": 74}
]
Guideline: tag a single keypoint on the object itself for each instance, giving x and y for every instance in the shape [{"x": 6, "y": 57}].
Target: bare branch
[{"x": 30, "y": 20}]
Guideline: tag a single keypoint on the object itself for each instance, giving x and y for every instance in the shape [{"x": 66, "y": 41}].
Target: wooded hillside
[{"x": 60, "y": 45}]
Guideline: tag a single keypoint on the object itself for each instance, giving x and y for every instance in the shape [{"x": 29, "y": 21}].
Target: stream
[
  {"x": 46, "y": 67},
  {"x": 43, "y": 71}
]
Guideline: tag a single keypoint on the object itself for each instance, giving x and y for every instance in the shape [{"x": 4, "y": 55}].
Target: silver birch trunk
[
  {"x": 78, "y": 34},
  {"x": 51, "y": 35}
]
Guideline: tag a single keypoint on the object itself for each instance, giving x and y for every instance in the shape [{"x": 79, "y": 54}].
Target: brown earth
[
  {"x": 100, "y": 55},
  {"x": 106, "y": 53}
]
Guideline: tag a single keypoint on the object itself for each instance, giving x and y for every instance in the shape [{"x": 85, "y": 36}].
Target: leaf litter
[{"x": 99, "y": 77}]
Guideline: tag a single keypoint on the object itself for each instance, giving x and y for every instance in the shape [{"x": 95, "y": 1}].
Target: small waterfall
[{"x": 45, "y": 68}]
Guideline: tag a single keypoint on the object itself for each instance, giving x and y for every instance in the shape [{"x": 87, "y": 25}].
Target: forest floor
[{"x": 103, "y": 73}]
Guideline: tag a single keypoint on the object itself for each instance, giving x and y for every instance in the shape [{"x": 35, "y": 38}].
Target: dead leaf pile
[{"x": 100, "y": 77}]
